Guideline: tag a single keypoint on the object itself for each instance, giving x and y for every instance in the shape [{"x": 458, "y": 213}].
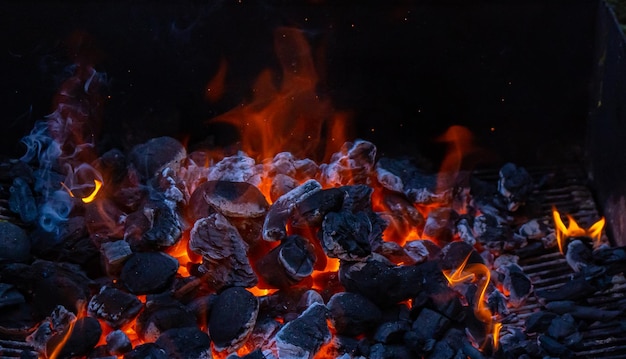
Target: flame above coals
[{"x": 563, "y": 232}]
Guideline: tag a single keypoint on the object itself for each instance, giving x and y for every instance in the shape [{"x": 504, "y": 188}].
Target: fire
[
  {"x": 57, "y": 350},
  {"x": 292, "y": 116},
  {"x": 472, "y": 272},
  {"x": 496, "y": 335},
  {"x": 574, "y": 230}
]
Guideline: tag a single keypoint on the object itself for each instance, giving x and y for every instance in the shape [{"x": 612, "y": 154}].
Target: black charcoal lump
[
  {"x": 149, "y": 272},
  {"x": 515, "y": 185}
]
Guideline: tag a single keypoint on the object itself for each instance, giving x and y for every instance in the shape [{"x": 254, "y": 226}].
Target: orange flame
[
  {"x": 563, "y": 232},
  {"x": 292, "y": 116},
  {"x": 496, "y": 335},
  {"x": 471, "y": 272},
  {"x": 57, "y": 350}
]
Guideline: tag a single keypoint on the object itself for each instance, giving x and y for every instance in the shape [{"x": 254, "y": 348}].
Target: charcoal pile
[{"x": 286, "y": 258}]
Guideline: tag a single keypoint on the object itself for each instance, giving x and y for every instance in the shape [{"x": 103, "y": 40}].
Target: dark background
[{"x": 517, "y": 73}]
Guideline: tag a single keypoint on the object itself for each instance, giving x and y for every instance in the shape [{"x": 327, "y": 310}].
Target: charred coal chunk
[
  {"x": 281, "y": 184},
  {"x": 161, "y": 313},
  {"x": 118, "y": 342},
  {"x": 50, "y": 283},
  {"x": 147, "y": 351},
  {"x": 279, "y": 213},
  {"x": 428, "y": 327},
  {"x": 579, "y": 287},
  {"x": 151, "y": 157},
  {"x": 287, "y": 264},
  {"x": 353, "y": 314},
  {"x": 392, "y": 332},
  {"x": 165, "y": 229},
  {"x": 441, "y": 224},
  {"x": 114, "y": 255},
  {"x": 283, "y": 303},
  {"x": 9, "y": 295},
  {"x": 198, "y": 207},
  {"x": 149, "y": 272},
  {"x": 578, "y": 254},
  {"x": 347, "y": 236},
  {"x": 236, "y": 168},
  {"x": 311, "y": 211},
  {"x": 402, "y": 175},
  {"x": 517, "y": 283},
  {"x": 455, "y": 253},
  {"x": 114, "y": 306},
  {"x": 232, "y": 318},
  {"x": 304, "y": 336},
  {"x": 515, "y": 185},
  {"x": 235, "y": 199},
  {"x": 22, "y": 201},
  {"x": 104, "y": 220},
  {"x": 185, "y": 343},
  {"x": 224, "y": 252},
  {"x": 77, "y": 340},
  {"x": 352, "y": 165},
  {"x": 554, "y": 348},
  {"x": 284, "y": 163},
  {"x": 381, "y": 281},
  {"x": 582, "y": 312},
  {"x": 14, "y": 243}
]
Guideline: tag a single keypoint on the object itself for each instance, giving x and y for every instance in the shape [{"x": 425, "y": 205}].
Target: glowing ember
[{"x": 574, "y": 230}]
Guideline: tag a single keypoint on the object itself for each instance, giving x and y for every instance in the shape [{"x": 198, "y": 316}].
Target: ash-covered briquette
[
  {"x": 353, "y": 314},
  {"x": 83, "y": 336},
  {"x": 114, "y": 306},
  {"x": 347, "y": 236},
  {"x": 235, "y": 199},
  {"x": 114, "y": 254},
  {"x": 224, "y": 252},
  {"x": 185, "y": 343},
  {"x": 353, "y": 164},
  {"x": 148, "y": 272},
  {"x": 287, "y": 264},
  {"x": 517, "y": 283},
  {"x": 302, "y": 337},
  {"x": 441, "y": 224},
  {"x": 279, "y": 213},
  {"x": 147, "y": 351},
  {"x": 165, "y": 228},
  {"x": 118, "y": 343},
  {"x": 232, "y": 318},
  {"x": 151, "y": 157},
  {"x": 311, "y": 211},
  {"x": 578, "y": 253}
]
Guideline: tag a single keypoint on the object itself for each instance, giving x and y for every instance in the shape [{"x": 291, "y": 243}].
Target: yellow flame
[
  {"x": 563, "y": 232},
  {"x": 496, "y": 335},
  {"x": 471, "y": 272},
  {"x": 97, "y": 185},
  {"x": 57, "y": 350}
]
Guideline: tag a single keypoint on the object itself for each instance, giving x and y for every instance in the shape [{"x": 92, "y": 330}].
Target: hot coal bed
[{"x": 162, "y": 237}]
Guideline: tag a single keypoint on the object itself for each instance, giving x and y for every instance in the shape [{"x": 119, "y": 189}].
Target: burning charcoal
[
  {"x": 158, "y": 153},
  {"x": 464, "y": 230},
  {"x": 115, "y": 253},
  {"x": 149, "y": 272},
  {"x": 235, "y": 199},
  {"x": 404, "y": 216},
  {"x": 554, "y": 348},
  {"x": 9, "y": 295},
  {"x": 171, "y": 187},
  {"x": 281, "y": 210},
  {"x": 497, "y": 303},
  {"x": 198, "y": 207},
  {"x": 147, "y": 351},
  {"x": 455, "y": 253},
  {"x": 50, "y": 283},
  {"x": 311, "y": 211},
  {"x": 303, "y": 336},
  {"x": 232, "y": 318},
  {"x": 578, "y": 287},
  {"x": 533, "y": 229},
  {"x": 284, "y": 163},
  {"x": 114, "y": 306},
  {"x": 165, "y": 227},
  {"x": 185, "y": 343},
  {"x": 402, "y": 175},
  {"x": 515, "y": 185},
  {"x": 440, "y": 224},
  {"x": 346, "y": 236},
  {"x": 440, "y": 298},
  {"x": 353, "y": 314},
  {"x": 417, "y": 251},
  {"x": 395, "y": 253},
  {"x": 224, "y": 252},
  {"x": 83, "y": 336},
  {"x": 14, "y": 243},
  {"x": 353, "y": 164},
  {"x": 391, "y": 332},
  {"x": 262, "y": 333},
  {"x": 538, "y": 322},
  {"x": 562, "y": 326},
  {"x": 281, "y": 184},
  {"x": 389, "y": 351},
  {"x": 237, "y": 168},
  {"x": 22, "y": 202},
  {"x": 118, "y": 343},
  {"x": 578, "y": 255},
  {"x": 428, "y": 326},
  {"x": 161, "y": 314},
  {"x": 583, "y": 312},
  {"x": 381, "y": 281},
  {"x": 517, "y": 283},
  {"x": 287, "y": 264}
]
